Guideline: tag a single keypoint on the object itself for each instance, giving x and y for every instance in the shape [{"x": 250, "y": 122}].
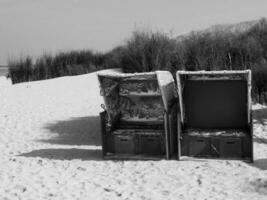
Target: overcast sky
[{"x": 32, "y": 27}]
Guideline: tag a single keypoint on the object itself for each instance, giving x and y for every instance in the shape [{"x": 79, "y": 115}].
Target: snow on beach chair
[
  {"x": 138, "y": 119},
  {"x": 215, "y": 114}
]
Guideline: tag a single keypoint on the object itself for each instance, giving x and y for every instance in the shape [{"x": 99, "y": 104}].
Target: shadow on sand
[
  {"x": 65, "y": 154},
  {"x": 259, "y": 140},
  {"x": 76, "y": 131},
  {"x": 260, "y": 164},
  {"x": 260, "y": 116}
]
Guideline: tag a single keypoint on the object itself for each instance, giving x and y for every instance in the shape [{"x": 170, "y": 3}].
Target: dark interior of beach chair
[
  {"x": 216, "y": 117},
  {"x": 134, "y": 123}
]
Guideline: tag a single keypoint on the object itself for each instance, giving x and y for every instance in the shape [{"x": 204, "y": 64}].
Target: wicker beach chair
[
  {"x": 138, "y": 121},
  {"x": 215, "y": 114}
]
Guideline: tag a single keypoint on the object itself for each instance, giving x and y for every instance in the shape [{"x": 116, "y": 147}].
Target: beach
[{"x": 51, "y": 149}]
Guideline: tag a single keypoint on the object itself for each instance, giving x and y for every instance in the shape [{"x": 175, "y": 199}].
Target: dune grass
[{"x": 149, "y": 51}]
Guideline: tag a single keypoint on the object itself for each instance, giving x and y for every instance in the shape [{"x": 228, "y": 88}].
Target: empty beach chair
[{"x": 215, "y": 114}]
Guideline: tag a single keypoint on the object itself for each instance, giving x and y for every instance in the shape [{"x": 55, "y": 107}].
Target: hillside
[
  {"x": 232, "y": 28},
  {"x": 235, "y": 28}
]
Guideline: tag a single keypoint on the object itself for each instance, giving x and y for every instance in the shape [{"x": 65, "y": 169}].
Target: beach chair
[
  {"x": 139, "y": 117},
  {"x": 215, "y": 119}
]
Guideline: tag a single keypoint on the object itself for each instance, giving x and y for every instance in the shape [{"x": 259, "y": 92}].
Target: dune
[{"x": 51, "y": 149}]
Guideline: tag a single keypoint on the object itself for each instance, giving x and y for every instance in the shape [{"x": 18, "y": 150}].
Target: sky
[{"x": 34, "y": 27}]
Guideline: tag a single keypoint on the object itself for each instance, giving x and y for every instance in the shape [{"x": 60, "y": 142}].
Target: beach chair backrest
[
  {"x": 136, "y": 97},
  {"x": 216, "y": 99}
]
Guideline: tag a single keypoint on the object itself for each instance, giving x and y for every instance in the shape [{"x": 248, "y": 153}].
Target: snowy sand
[{"x": 50, "y": 149}]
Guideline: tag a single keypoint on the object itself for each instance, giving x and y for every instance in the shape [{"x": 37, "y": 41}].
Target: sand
[{"x": 50, "y": 149}]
